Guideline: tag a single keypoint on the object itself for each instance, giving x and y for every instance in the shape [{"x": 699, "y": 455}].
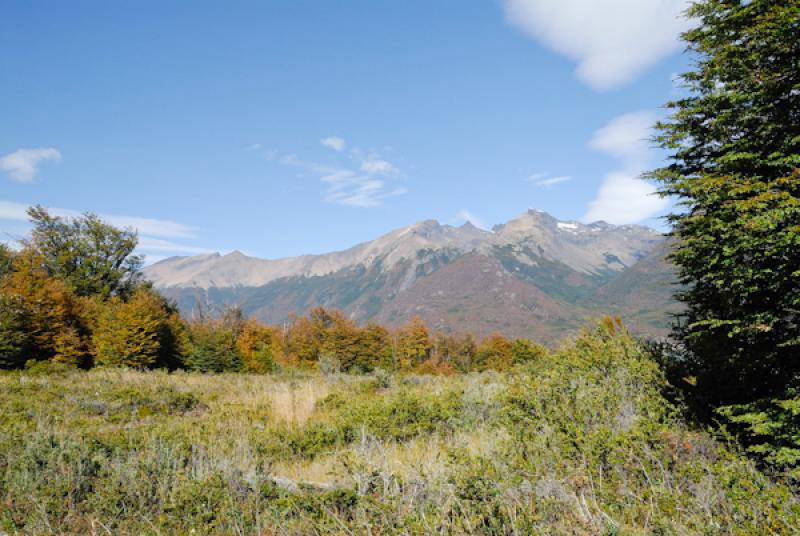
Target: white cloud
[
  {"x": 612, "y": 41},
  {"x": 10, "y": 210},
  {"x": 151, "y": 231},
  {"x": 13, "y": 211},
  {"x": 23, "y": 164},
  {"x": 334, "y": 142},
  {"x": 152, "y": 227},
  {"x": 356, "y": 192},
  {"x": 537, "y": 177},
  {"x": 376, "y": 166},
  {"x": 626, "y": 137},
  {"x": 148, "y": 243},
  {"x": 365, "y": 184},
  {"x": 467, "y": 216},
  {"x": 623, "y": 197},
  {"x": 551, "y": 181}
]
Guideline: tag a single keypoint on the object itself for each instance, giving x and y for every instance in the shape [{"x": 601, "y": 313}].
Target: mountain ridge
[{"x": 537, "y": 275}]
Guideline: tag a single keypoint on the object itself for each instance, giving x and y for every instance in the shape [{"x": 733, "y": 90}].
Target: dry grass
[
  {"x": 295, "y": 402},
  {"x": 582, "y": 444},
  {"x": 415, "y": 459}
]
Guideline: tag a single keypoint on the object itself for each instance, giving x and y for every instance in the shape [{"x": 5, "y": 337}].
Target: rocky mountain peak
[{"x": 534, "y": 234}]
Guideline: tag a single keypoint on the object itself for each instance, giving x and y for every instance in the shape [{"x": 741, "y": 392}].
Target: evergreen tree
[
  {"x": 15, "y": 342},
  {"x": 461, "y": 351},
  {"x": 211, "y": 345},
  {"x": 735, "y": 169}
]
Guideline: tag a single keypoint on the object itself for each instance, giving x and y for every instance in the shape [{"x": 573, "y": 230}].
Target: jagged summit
[
  {"x": 534, "y": 263},
  {"x": 581, "y": 247}
]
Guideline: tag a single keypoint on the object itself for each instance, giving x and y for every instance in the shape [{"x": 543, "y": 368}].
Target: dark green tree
[
  {"x": 91, "y": 256},
  {"x": 526, "y": 351},
  {"x": 211, "y": 344},
  {"x": 15, "y": 341},
  {"x": 734, "y": 141}
]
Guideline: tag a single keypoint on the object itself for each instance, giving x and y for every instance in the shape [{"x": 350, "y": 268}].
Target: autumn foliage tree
[
  {"x": 45, "y": 311},
  {"x": 74, "y": 292},
  {"x": 259, "y": 346},
  {"x": 494, "y": 352},
  {"x": 134, "y": 333},
  {"x": 374, "y": 348},
  {"x": 413, "y": 344}
]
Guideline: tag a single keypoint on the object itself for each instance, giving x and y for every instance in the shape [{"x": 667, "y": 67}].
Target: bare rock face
[
  {"x": 584, "y": 248},
  {"x": 543, "y": 277}
]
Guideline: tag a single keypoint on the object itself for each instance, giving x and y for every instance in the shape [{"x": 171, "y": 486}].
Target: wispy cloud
[
  {"x": 148, "y": 243},
  {"x": 13, "y": 211},
  {"x": 377, "y": 166},
  {"x": 623, "y": 197},
  {"x": 612, "y": 41},
  {"x": 467, "y": 216},
  {"x": 547, "y": 181},
  {"x": 152, "y": 227},
  {"x": 10, "y": 210},
  {"x": 626, "y": 137},
  {"x": 23, "y": 164},
  {"x": 152, "y": 232},
  {"x": 366, "y": 183},
  {"x": 552, "y": 181},
  {"x": 334, "y": 142}
]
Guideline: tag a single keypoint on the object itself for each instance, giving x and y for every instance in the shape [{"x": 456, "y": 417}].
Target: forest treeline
[{"x": 73, "y": 294}]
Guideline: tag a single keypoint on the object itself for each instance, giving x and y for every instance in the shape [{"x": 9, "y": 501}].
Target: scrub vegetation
[
  {"x": 117, "y": 416},
  {"x": 577, "y": 441}
]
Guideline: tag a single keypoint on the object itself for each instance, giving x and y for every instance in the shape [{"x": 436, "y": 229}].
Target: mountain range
[{"x": 534, "y": 276}]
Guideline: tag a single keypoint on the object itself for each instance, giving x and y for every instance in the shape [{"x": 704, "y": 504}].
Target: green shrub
[{"x": 770, "y": 429}]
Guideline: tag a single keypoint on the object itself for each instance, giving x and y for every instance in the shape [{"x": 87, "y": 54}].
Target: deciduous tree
[
  {"x": 91, "y": 256},
  {"x": 133, "y": 333}
]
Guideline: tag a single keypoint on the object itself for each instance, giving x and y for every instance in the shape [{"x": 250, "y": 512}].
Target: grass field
[{"x": 580, "y": 442}]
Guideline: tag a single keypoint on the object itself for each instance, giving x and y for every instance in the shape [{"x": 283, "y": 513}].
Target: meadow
[{"x": 581, "y": 440}]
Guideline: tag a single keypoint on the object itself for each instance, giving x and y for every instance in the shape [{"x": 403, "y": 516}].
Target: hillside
[{"x": 532, "y": 275}]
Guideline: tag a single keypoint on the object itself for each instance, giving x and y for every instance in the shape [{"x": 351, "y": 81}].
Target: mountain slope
[
  {"x": 532, "y": 276},
  {"x": 644, "y": 293}
]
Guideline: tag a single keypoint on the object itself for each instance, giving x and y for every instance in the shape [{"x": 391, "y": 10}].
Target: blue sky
[{"x": 288, "y": 127}]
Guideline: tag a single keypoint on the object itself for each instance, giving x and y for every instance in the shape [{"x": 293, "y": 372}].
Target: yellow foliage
[
  {"x": 495, "y": 352},
  {"x": 53, "y": 314},
  {"x": 130, "y": 333},
  {"x": 414, "y": 344},
  {"x": 259, "y": 346}
]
